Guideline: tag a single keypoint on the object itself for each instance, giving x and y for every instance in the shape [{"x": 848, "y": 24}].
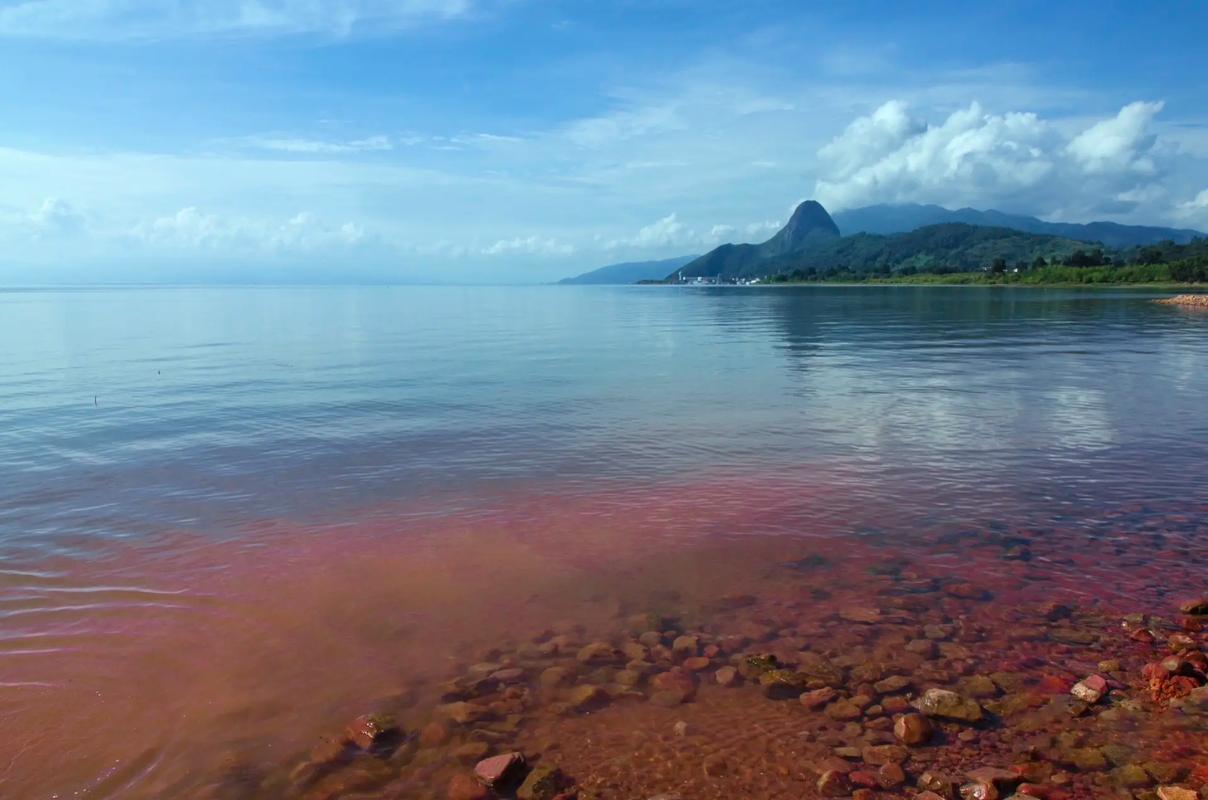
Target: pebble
[
  {"x": 912, "y": 729},
  {"x": 949, "y": 705}
]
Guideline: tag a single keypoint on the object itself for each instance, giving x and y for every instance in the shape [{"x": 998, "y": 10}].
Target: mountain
[
  {"x": 902, "y": 217},
  {"x": 630, "y": 272},
  {"x": 810, "y": 243},
  {"x": 808, "y": 228}
]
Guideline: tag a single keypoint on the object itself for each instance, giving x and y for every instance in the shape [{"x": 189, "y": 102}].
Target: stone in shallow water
[
  {"x": 1195, "y": 607},
  {"x": 1176, "y": 793},
  {"x": 587, "y": 698},
  {"x": 498, "y": 772},
  {"x": 818, "y": 697},
  {"x": 782, "y": 684},
  {"x": 726, "y": 676},
  {"x": 367, "y": 730},
  {"x": 545, "y": 782},
  {"x": 1090, "y": 689},
  {"x": 833, "y": 783},
  {"x": 948, "y": 705}
]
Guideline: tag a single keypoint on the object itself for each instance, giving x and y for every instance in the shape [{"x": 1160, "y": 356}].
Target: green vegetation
[{"x": 1164, "y": 263}]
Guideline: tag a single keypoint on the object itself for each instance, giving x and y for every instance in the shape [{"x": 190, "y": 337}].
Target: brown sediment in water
[
  {"x": 1185, "y": 300},
  {"x": 583, "y": 633}
]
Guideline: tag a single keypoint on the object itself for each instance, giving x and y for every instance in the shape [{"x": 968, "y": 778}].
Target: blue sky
[{"x": 513, "y": 141}]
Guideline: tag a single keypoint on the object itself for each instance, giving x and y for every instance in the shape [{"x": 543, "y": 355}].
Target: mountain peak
[{"x": 809, "y": 221}]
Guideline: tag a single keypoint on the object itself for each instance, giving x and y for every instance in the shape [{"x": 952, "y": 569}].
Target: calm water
[{"x": 170, "y": 452}]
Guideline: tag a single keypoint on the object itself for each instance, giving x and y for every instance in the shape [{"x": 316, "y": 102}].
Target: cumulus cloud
[
  {"x": 529, "y": 245},
  {"x": 1014, "y": 160},
  {"x": 56, "y": 217},
  {"x": 137, "y": 19},
  {"x": 1122, "y": 143}
]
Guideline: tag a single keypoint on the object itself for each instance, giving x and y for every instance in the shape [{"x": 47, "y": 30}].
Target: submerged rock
[
  {"x": 949, "y": 705},
  {"x": 369, "y": 729},
  {"x": 545, "y": 782},
  {"x": 498, "y": 772},
  {"x": 782, "y": 684},
  {"x": 1090, "y": 689},
  {"x": 833, "y": 783}
]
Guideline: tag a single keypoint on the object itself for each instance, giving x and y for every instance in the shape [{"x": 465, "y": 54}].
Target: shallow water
[{"x": 233, "y": 519}]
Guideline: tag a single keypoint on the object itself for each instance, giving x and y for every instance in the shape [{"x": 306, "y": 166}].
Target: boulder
[
  {"x": 500, "y": 772},
  {"x": 949, "y": 705}
]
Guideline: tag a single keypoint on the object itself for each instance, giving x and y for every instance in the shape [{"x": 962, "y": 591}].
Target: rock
[
  {"x": 685, "y": 646},
  {"x": 890, "y": 775},
  {"x": 726, "y": 676},
  {"x": 781, "y": 684},
  {"x": 881, "y": 754},
  {"x": 844, "y": 710},
  {"x": 369, "y": 729},
  {"x": 834, "y": 783},
  {"x": 680, "y": 728},
  {"x": 818, "y": 697},
  {"x": 668, "y": 698},
  {"x": 675, "y": 680},
  {"x": 545, "y": 782},
  {"x": 1196, "y": 607},
  {"x": 893, "y": 684},
  {"x": 751, "y": 667},
  {"x": 555, "y": 676},
  {"x": 938, "y": 783},
  {"x": 587, "y": 698},
  {"x": 463, "y": 787},
  {"x": 865, "y": 615},
  {"x": 1132, "y": 776},
  {"x": 599, "y": 653},
  {"x": 434, "y": 734},
  {"x": 462, "y": 713},
  {"x": 1176, "y": 793},
  {"x": 696, "y": 664},
  {"x": 926, "y": 795},
  {"x": 948, "y": 705},
  {"x": 498, "y": 772},
  {"x": 912, "y": 729},
  {"x": 1090, "y": 689},
  {"x": 979, "y": 791}
]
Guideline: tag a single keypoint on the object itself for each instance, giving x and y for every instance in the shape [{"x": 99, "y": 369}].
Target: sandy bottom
[{"x": 230, "y": 668}]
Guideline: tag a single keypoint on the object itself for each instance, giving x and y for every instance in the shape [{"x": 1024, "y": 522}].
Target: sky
[{"x": 513, "y": 141}]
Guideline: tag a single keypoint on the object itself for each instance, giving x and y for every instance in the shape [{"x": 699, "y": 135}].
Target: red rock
[
  {"x": 912, "y": 729},
  {"x": 369, "y": 728},
  {"x": 1053, "y": 684},
  {"x": 890, "y": 775},
  {"x": 677, "y": 680},
  {"x": 463, "y": 787},
  {"x": 862, "y": 777},
  {"x": 979, "y": 791},
  {"x": 696, "y": 664},
  {"x": 1176, "y": 793},
  {"x": 818, "y": 697},
  {"x": 880, "y": 754},
  {"x": 1090, "y": 689},
  {"x": 499, "y": 771},
  {"x": 726, "y": 676},
  {"x": 833, "y": 783},
  {"x": 1142, "y": 635}
]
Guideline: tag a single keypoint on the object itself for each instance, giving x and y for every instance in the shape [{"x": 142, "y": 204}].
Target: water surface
[{"x": 232, "y": 517}]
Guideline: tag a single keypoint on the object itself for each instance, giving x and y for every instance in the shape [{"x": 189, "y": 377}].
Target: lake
[{"x": 234, "y": 519}]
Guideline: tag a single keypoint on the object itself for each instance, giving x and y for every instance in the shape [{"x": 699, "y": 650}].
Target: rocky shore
[
  {"x": 929, "y": 688},
  {"x": 1187, "y": 300}
]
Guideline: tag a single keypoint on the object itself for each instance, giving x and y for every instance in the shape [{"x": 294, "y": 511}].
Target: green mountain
[
  {"x": 811, "y": 242},
  {"x": 808, "y": 228},
  {"x": 888, "y": 218},
  {"x": 630, "y": 272}
]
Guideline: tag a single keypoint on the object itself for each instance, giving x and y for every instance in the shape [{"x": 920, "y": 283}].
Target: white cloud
[
  {"x": 316, "y": 146},
  {"x": 529, "y": 245},
  {"x": 193, "y": 231},
  {"x": 1122, "y": 143},
  {"x": 56, "y": 217},
  {"x": 139, "y": 19},
  {"x": 761, "y": 230},
  {"x": 1015, "y": 161}
]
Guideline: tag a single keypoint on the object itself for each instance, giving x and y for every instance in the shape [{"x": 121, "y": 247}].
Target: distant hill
[
  {"x": 630, "y": 272},
  {"x": 811, "y": 242},
  {"x": 903, "y": 217},
  {"x": 808, "y": 228}
]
